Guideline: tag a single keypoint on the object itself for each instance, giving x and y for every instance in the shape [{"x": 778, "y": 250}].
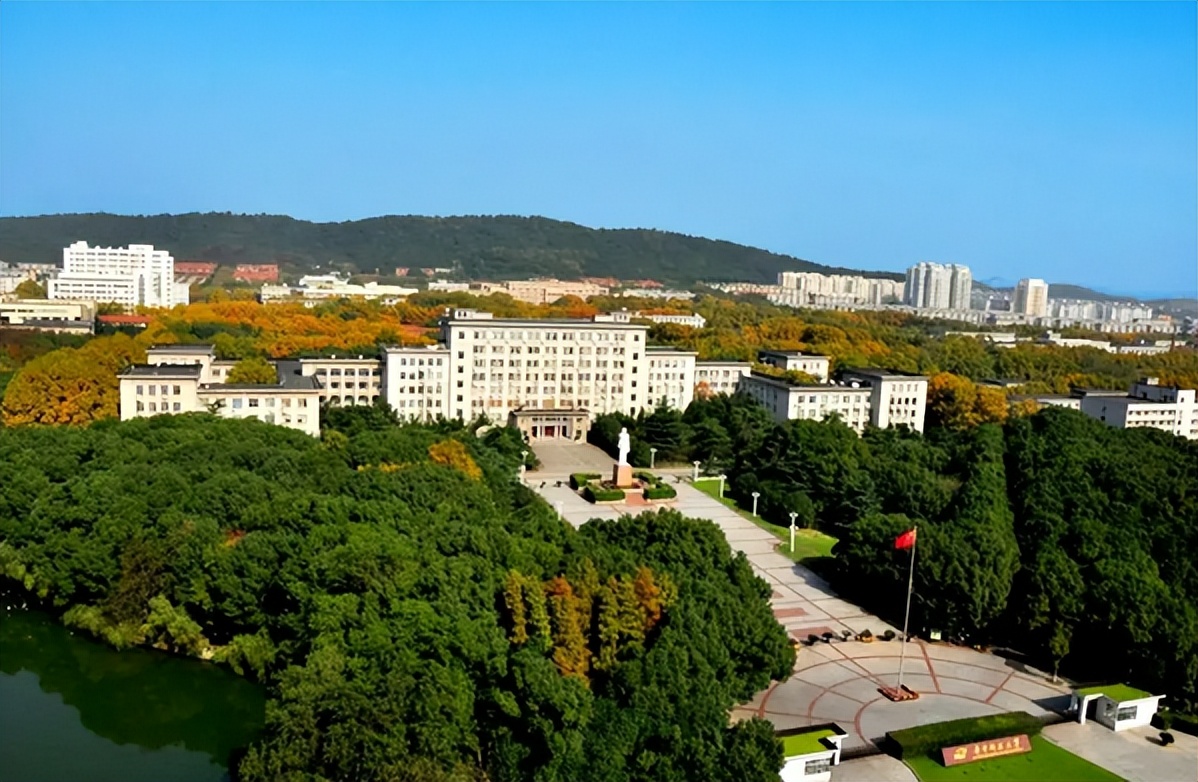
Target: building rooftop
[
  {"x": 883, "y": 374},
  {"x": 781, "y": 381},
  {"x": 163, "y": 370},
  {"x": 1120, "y": 693},
  {"x": 791, "y": 354},
  {"x": 805, "y": 741},
  {"x": 199, "y": 349}
]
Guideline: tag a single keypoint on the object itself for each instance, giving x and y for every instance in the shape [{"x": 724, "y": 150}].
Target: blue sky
[{"x": 1023, "y": 139}]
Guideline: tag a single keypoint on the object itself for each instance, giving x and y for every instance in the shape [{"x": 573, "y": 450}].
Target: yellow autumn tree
[
  {"x": 451, "y": 453},
  {"x": 73, "y": 386}
]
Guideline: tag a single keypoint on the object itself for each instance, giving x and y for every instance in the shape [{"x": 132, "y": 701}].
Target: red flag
[{"x": 906, "y": 540}]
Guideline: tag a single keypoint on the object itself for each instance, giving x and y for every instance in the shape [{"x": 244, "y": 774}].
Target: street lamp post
[
  {"x": 695, "y": 477},
  {"x": 756, "y": 494},
  {"x": 793, "y": 516},
  {"x": 652, "y": 457},
  {"x": 722, "y": 477}
]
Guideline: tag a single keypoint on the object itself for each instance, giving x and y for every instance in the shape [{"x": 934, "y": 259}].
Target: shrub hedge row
[
  {"x": 580, "y": 479},
  {"x": 1171, "y": 720},
  {"x": 660, "y": 492},
  {"x": 591, "y": 494},
  {"x": 926, "y": 739}
]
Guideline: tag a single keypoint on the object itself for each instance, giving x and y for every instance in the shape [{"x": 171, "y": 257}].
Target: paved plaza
[
  {"x": 839, "y": 681},
  {"x": 560, "y": 458}
]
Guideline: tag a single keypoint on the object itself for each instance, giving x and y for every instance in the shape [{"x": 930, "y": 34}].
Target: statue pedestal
[{"x": 621, "y": 476}]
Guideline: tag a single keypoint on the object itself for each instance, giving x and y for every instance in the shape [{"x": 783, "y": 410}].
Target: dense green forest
[
  {"x": 415, "y": 612},
  {"x": 1054, "y": 535},
  {"x": 500, "y": 247}
]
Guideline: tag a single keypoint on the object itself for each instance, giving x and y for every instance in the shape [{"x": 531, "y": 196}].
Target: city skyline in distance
[{"x": 1019, "y": 140}]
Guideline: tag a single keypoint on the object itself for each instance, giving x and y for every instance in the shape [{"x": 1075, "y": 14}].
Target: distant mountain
[
  {"x": 1061, "y": 290},
  {"x": 1056, "y": 290},
  {"x": 497, "y": 247}
]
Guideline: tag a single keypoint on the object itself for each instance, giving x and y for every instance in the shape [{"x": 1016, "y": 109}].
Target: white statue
[{"x": 625, "y": 446}]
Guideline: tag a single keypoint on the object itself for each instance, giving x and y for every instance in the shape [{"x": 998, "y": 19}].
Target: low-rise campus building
[
  {"x": 795, "y": 361},
  {"x": 1146, "y": 404},
  {"x": 547, "y": 377},
  {"x": 1117, "y": 706},
  {"x": 862, "y": 397},
  {"x": 719, "y": 377},
  {"x": 189, "y": 379}
]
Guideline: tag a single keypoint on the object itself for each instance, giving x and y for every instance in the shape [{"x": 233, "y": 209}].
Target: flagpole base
[{"x": 897, "y": 695}]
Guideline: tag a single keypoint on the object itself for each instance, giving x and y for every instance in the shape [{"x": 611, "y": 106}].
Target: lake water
[{"x": 74, "y": 709}]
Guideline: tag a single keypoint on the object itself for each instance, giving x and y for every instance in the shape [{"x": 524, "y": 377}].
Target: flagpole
[{"x": 907, "y": 615}]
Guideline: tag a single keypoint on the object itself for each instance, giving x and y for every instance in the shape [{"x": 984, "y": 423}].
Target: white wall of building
[
  {"x": 816, "y": 366},
  {"x": 137, "y": 275},
  {"x": 416, "y": 381},
  {"x": 720, "y": 377},
  {"x": 500, "y": 365},
  {"x": 671, "y": 375},
  {"x": 1147, "y": 404}
]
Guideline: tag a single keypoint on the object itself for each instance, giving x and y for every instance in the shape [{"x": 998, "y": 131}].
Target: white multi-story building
[
  {"x": 547, "y": 291},
  {"x": 1031, "y": 298},
  {"x": 416, "y": 381},
  {"x": 315, "y": 288},
  {"x": 719, "y": 377},
  {"x": 134, "y": 276},
  {"x": 813, "y": 289},
  {"x": 794, "y": 361},
  {"x": 345, "y": 381},
  {"x": 694, "y": 320},
  {"x": 787, "y": 401},
  {"x": 504, "y": 366},
  {"x": 22, "y": 311},
  {"x": 181, "y": 379},
  {"x": 863, "y": 396},
  {"x": 938, "y": 286},
  {"x": 671, "y": 377},
  {"x": 895, "y": 399},
  {"x": 1147, "y": 404}
]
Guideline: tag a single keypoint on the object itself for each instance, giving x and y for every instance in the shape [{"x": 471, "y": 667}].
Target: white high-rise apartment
[
  {"x": 137, "y": 275},
  {"x": 938, "y": 286},
  {"x": 960, "y": 287},
  {"x": 1031, "y": 297}
]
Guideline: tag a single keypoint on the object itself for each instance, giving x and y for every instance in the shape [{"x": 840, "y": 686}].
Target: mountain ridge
[{"x": 478, "y": 247}]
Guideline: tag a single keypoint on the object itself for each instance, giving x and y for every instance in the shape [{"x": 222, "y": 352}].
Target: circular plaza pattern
[{"x": 838, "y": 682}]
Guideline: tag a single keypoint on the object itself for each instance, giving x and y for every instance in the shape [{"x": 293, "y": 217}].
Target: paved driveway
[{"x": 1136, "y": 755}]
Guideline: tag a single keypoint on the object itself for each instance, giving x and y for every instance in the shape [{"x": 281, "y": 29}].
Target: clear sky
[{"x": 1022, "y": 139}]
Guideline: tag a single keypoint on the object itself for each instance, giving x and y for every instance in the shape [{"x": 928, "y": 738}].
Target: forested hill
[{"x": 480, "y": 247}]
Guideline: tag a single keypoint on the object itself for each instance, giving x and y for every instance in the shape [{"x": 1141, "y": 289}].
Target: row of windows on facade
[
  {"x": 349, "y": 385},
  {"x": 517, "y": 350},
  {"x": 497, "y": 378},
  {"x": 419, "y": 362},
  {"x": 342, "y": 372},
  {"x": 555, "y": 336},
  {"x": 268, "y": 402},
  {"x": 515, "y": 403},
  {"x": 166, "y": 390}
]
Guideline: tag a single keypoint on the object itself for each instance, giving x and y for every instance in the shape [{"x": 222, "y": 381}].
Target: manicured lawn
[
  {"x": 1045, "y": 763},
  {"x": 809, "y": 543},
  {"x": 1116, "y": 692},
  {"x": 805, "y": 743}
]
